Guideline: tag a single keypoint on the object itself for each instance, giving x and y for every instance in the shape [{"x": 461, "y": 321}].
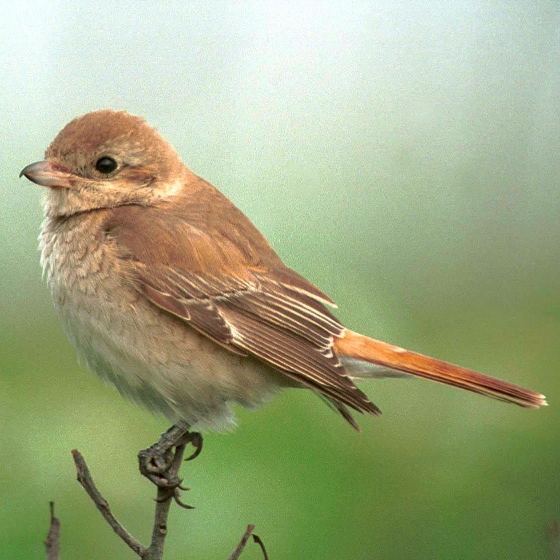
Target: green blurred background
[{"x": 404, "y": 157}]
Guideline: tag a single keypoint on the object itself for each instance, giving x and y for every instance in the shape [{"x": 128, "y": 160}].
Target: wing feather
[{"x": 236, "y": 291}]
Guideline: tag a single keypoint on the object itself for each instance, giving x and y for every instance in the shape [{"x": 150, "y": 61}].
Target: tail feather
[{"x": 359, "y": 347}]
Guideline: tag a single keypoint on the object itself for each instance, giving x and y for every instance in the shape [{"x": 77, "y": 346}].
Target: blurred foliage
[{"x": 402, "y": 156}]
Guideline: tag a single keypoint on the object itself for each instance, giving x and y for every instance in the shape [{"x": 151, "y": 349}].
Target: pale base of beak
[{"x": 48, "y": 174}]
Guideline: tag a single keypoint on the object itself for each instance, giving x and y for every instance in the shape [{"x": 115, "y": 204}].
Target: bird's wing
[{"x": 239, "y": 295}]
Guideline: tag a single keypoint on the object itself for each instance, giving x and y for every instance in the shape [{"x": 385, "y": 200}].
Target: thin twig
[
  {"x": 52, "y": 543},
  {"x": 243, "y": 543},
  {"x": 85, "y": 479},
  {"x": 166, "y": 493}
]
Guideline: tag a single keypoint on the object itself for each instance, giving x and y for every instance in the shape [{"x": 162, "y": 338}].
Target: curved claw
[
  {"x": 160, "y": 462},
  {"x": 178, "y": 501},
  {"x": 173, "y": 493},
  {"x": 196, "y": 441}
]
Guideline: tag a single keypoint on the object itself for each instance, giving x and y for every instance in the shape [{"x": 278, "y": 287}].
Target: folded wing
[{"x": 242, "y": 297}]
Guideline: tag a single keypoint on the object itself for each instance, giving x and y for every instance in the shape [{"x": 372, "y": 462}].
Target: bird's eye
[{"x": 106, "y": 165}]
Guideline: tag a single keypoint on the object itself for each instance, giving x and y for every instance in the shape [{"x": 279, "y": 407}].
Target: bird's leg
[{"x": 158, "y": 462}]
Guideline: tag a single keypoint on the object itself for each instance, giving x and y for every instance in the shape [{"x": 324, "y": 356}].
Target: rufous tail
[{"x": 363, "y": 348}]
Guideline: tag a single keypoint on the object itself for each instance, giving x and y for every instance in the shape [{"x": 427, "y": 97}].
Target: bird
[{"x": 171, "y": 294}]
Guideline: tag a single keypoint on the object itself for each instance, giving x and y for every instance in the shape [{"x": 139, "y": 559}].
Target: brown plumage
[{"x": 171, "y": 294}]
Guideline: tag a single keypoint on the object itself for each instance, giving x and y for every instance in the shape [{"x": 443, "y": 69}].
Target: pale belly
[{"x": 150, "y": 356}]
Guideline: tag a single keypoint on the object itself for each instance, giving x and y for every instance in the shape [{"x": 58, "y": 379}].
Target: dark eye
[{"x": 106, "y": 165}]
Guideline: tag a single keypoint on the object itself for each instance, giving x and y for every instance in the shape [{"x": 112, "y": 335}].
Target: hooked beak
[{"x": 49, "y": 174}]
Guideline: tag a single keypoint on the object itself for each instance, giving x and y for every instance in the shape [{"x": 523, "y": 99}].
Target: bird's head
[{"x": 105, "y": 159}]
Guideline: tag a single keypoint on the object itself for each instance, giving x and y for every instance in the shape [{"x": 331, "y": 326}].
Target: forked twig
[{"x": 164, "y": 474}]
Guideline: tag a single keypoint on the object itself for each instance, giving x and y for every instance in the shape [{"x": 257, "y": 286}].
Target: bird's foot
[{"x": 160, "y": 463}]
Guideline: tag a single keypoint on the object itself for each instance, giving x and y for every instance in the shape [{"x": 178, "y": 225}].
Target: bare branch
[
  {"x": 160, "y": 463},
  {"x": 85, "y": 479},
  {"x": 243, "y": 542},
  {"x": 52, "y": 542},
  {"x": 163, "y": 473}
]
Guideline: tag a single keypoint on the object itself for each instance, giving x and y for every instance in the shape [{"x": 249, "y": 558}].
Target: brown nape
[{"x": 359, "y": 347}]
